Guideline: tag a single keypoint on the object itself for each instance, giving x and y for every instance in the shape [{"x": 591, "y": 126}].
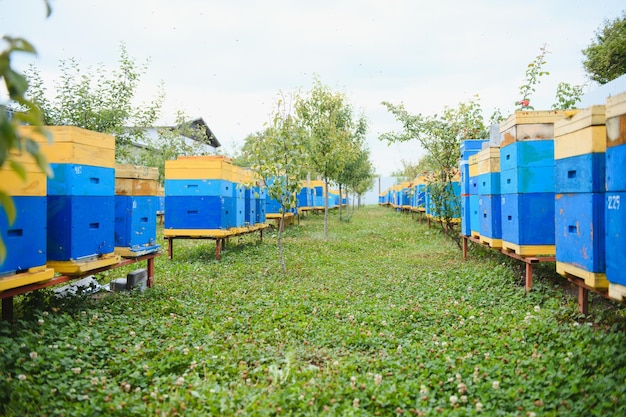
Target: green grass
[{"x": 383, "y": 318}]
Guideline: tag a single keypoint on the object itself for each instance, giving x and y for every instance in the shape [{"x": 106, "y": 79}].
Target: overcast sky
[{"x": 226, "y": 61}]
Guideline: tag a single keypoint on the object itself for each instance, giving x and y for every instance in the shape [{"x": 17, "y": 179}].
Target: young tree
[
  {"x": 605, "y": 58},
  {"x": 98, "y": 101},
  {"x": 11, "y": 142},
  {"x": 328, "y": 122},
  {"x": 440, "y": 136},
  {"x": 280, "y": 158}
]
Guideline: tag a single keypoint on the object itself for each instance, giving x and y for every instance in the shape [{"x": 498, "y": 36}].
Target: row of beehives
[
  {"x": 87, "y": 215},
  {"x": 92, "y": 211},
  {"x": 209, "y": 193},
  {"x": 418, "y": 195},
  {"x": 551, "y": 183}
]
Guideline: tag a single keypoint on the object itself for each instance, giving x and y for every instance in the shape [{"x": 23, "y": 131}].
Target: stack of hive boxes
[
  {"x": 489, "y": 213},
  {"x": 527, "y": 182},
  {"x": 469, "y": 199},
  {"x": 24, "y": 238},
  {"x": 579, "y": 153},
  {"x": 419, "y": 191},
  {"x": 305, "y": 195},
  {"x": 81, "y": 199},
  {"x": 200, "y": 195},
  {"x": 615, "y": 196},
  {"x": 136, "y": 207},
  {"x": 318, "y": 187},
  {"x": 405, "y": 195}
]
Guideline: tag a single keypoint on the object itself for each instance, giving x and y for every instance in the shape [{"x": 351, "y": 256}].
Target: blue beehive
[
  {"x": 468, "y": 149},
  {"x": 615, "y": 212},
  {"x": 471, "y": 147},
  {"x": 260, "y": 205},
  {"x": 466, "y": 221},
  {"x": 527, "y": 167},
  {"x": 615, "y": 201},
  {"x": 490, "y": 219},
  {"x": 578, "y": 237},
  {"x": 135, "y": 223},
  {"x": 579, "y": 152},
  {"x": 75, "y": 230},
  {"x": 197, "y": 212},
  {"x": 580, "y": 174},
  {"x": 528, "y": 220},
  {"x": 527, "y": 182},
  {"x": 251, "y": 194},
  {"x": 25, "y": 238},
  {"x": 201, "y": 187},
  {"x": 136, "y": 207},
  {"x": 474, "y": 210}
]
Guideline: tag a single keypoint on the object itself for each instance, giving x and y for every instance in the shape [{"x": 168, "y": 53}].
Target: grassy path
[{"x": 384, "y": 318}]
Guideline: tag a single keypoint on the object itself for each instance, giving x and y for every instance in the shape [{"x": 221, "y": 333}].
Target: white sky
[{"x": 226, "y": 61}]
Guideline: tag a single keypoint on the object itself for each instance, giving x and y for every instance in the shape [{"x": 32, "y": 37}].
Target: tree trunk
[
  {"x": 281, "y": 224},
  {"x": 340, "y": 205},
  {"x": 325, "y": 208}
]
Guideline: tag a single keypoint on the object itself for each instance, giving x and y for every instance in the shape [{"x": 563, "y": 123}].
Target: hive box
[
  {"x": 490, "y": 220},
  {"x": 616, "y": 143},
  {"x": 136, "y": 206},
  {"x": 579, "y": 230},
  {"x": 199, "y": 167},
  {"x": 25, "y": 237},
  {"x": 528, "y": 223},
  {"x": 579, "y": 152},
  {"x": 200, "y": 212}
]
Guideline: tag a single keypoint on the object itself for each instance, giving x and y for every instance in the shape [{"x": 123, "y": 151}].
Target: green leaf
[{"x": 9, "y": 207}]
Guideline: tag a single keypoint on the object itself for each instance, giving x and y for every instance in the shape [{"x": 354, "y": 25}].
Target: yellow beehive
[
  {"x": 74, "y": 145},
  {"x": 473, "y": 165},
  {"x": 33, "y": 185},
  {"x": 136, "y": 180},
  {"x": 531, "y": 125},
  {"x": 580, "y": 134},
  {"x": 488, "y": 161},
  {"x": 216, "y": 167}
]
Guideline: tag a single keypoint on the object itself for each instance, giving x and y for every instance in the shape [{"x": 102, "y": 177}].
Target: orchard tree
[
  {"x": 605, "y": 58},
  {"x": 357, "y": 175},
  {"x": 98, "y": 100},
  {"x": 328, "y": 122},
  {"x": 440, "y": 137},
  {"x": 279, "y": 155},
  {"x": 12, "y": 143}
]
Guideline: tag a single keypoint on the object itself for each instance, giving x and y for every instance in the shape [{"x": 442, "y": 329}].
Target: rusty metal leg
[
  {"x": 529, "y": 276},
  {"x": 218, "y": 246},
  {"x": 170, "y": 247},
  {"x": 224, "y": 243},
  {"x": 261, "y": 233},
  {"x": 464, "y": 247},
  {"x": 150, "y": 272},
  {"x": 7, "y": 309},
  {"x": 583, "y": 300}
]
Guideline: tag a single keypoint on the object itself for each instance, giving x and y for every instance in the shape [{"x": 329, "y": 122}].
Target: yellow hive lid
[
  {"x": 136, "y": 172},
  {"x": 35, "y": 183},
  {"x": 73, "y": 145},
  {"x": 591, "y": 116},
  {"x": 534, "y": 117}
]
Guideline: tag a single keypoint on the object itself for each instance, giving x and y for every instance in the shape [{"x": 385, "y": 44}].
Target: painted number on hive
[{"x": 613, "y": 202}]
